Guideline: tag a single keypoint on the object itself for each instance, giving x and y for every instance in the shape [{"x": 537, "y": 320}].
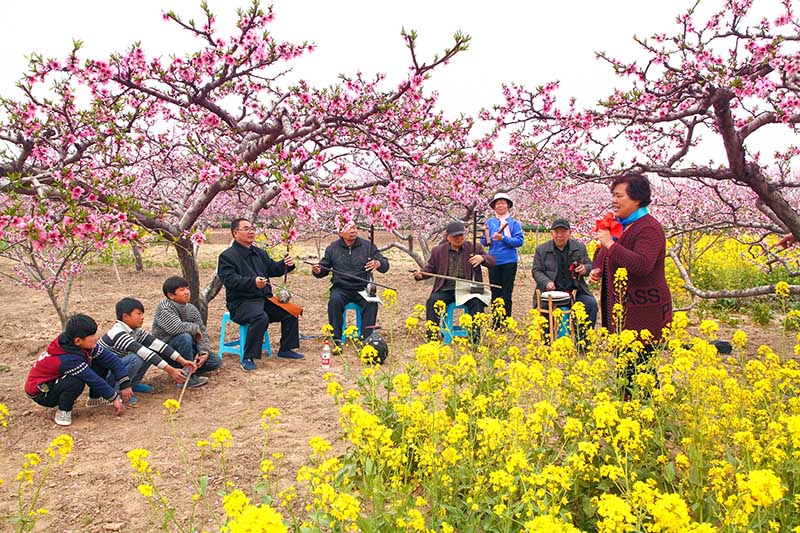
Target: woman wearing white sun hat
[{"x": 503, "y": 235}]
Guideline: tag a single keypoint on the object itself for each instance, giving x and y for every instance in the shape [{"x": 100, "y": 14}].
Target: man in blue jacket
[{"x": 72, "y": 361}]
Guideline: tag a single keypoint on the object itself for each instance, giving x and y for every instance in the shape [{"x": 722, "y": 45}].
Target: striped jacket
[
  {"x": 172, "y": 318},
  {"x": 122, "y": 340}
]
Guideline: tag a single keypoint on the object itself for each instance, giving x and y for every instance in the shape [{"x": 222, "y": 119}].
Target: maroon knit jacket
[
  {"x": 641, "y": 250},
  {"x": 437, "y": 262}
]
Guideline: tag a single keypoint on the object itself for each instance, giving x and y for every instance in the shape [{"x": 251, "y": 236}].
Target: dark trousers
[
  {"x": 590, "y": 303},
  {"x": 640, "y": 365},
  {"x": 503, "y": 275},
  {"x": 62, "y": 393},
  {"x": 474, "y": 305},
  {"x": 258, "y": 314},
  {"x": 340, "y": 298},
  {"x": 185, "y": 345}
]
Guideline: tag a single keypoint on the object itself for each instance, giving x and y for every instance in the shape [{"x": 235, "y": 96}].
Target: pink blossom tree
[
  {"x": 720, "y": 80},
  {"x": 172, "y": 141}
]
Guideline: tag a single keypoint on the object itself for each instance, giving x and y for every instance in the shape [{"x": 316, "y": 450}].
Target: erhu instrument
[
  {"x": 467, "y": 290},
  {"x": 282, "y": 295},
  {"x": 370, "y": 293}
]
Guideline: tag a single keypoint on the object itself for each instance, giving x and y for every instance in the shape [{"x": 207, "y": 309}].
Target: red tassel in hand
[{"x": 610, "y": 223}]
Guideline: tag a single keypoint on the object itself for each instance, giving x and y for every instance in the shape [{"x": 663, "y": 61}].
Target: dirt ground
[{"x": 93, "y": 490}]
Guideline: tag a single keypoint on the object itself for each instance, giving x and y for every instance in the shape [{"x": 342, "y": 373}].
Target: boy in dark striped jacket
[
  {"x": 178, "y": 323},
  {"x": 72, "y": 361},
  {"x": 138, "y": 349}
]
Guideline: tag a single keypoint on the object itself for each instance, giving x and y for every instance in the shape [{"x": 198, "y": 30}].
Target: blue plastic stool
[
  {"x": 357, "y": 308},
  {"x": 237, "y": 346},
  {"x": 448, "y": 330}
]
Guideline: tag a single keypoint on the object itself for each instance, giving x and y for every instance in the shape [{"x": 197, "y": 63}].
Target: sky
[{"x": 531, "y": 42}]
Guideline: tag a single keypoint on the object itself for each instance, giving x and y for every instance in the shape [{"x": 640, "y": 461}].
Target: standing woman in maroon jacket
[{"x": 641, "y": 250}]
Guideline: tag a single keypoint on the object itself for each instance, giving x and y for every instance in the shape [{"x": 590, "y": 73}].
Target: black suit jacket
[{"x": 238, "y": 269}]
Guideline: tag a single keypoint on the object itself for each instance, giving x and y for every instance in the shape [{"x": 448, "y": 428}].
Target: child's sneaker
[
  {"x": 132, "y": 400},
  {"x": 143, "y": 387},
  {"x": 194, "y": 382},
  {"x": 94, "y": 402},
  {"x": 63, "y": 418}
]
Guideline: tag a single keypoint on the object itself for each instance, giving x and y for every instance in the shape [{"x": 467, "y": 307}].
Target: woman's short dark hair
[
  {"x": 638, "y": 187},
  {"x": 80, "y": 326},
  {"x": 172, "y": 284}
]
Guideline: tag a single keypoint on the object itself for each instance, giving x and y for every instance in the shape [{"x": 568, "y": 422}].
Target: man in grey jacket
[
  {"x": 352, "y": 259},
  {"x": 561, "y": 265}
]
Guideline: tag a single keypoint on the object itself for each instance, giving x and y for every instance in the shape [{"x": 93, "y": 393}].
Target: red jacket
[
  {"x": 438, "y": 261},
  {"x": 641, "y": 250}
]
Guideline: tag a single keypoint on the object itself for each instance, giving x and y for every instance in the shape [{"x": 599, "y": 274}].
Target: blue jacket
[
  {"x": 504, "y": 251},
  {"x": 63, "y": 358}
]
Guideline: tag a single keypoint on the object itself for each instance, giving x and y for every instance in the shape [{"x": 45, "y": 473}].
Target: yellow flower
[
  {"x": 782, "y": 289},
  {"x": 60, "y": 446},
  {"x": 319, "y": 445},
  {"x": 345, "y": 508},
  {"x": 739, "y": 339},
  {"x": 764, "y": 486},
  {"x": 369, "y": 354},
  {"x": 267, "y": 467},
  {"x": 439, "y": 307},
  {"x": 172, "y": 405},
  {"x": 138, "y": 458},
  {"x": 351, "y": 332},
  {"x": 271, "y": 412},
  {"x": 389, "y": 297},
  {"x": 616, "y": 513},
  {"x": 709, "y": 328},
  {"x": 145, "y": 490},
  {"x": 670, "y": 513},
  {"x": 327, "y": 330},
  {"x": 234, "y": 503},
  {"x": 412, "y": 322},
  {"x": 222, "y": 439},
  {"x": 256, "y": 519},
  {"x": 3, "y": 415}
]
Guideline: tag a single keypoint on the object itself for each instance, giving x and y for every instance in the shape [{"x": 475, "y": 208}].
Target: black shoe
[{"x": 291, "y": 354}]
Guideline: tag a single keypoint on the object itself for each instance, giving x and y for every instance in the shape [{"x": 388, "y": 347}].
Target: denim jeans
[
  {"x": 185, "y": 345},
  {"x": 135, "y": 366}
]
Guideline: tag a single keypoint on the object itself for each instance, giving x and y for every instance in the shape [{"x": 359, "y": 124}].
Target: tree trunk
[
  {"x": 209, "y": 293},
  {"x": 191, "y": 272},
  {"x": 137, "y": 257}
]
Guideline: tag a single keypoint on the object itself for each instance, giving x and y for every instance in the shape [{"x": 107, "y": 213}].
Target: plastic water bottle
[{"x": 326, "y": 356}]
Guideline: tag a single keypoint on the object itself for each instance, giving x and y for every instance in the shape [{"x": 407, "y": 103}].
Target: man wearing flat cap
[
  {"x": 562, "y": 264},
  {"x": 455, "y": 258}
]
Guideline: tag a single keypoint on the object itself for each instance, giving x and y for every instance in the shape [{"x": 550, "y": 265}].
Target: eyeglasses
[{"x": 247, "y": 229}]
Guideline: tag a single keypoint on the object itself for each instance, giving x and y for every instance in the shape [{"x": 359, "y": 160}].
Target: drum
[{"x": 557, "y": 300}]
